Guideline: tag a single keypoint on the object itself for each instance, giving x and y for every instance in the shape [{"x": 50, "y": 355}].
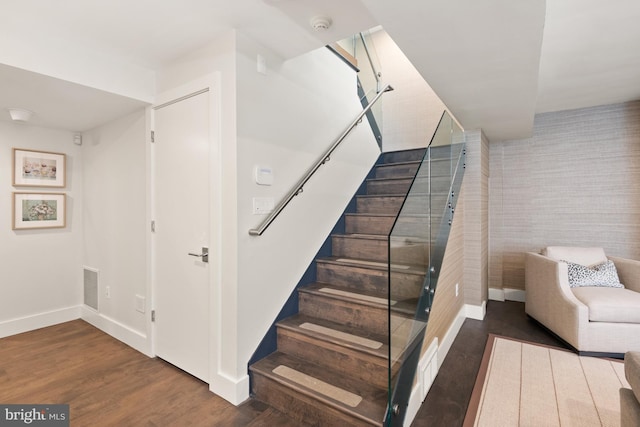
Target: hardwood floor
[{"x": 106, "y": 383}]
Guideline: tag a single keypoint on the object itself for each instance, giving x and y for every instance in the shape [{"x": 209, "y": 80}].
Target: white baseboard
[
  {"x": 418, "y": 393},
  {"x": 496, "y": 294},
  {"x": 507, "y": 294},
  {"x": 450, "y": 336},
  {"x": 476, "y": 312},
  {"x": 131, "y": 337},
  {"x": 514, "y": 295},
  {"x": 232, "y": 390},
  {"x": 37, "y": 321}
]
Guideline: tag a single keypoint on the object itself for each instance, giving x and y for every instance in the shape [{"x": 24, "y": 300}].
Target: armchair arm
[
  {"x": 628, "y": 271},
  {"x": 549, "y": 298}
]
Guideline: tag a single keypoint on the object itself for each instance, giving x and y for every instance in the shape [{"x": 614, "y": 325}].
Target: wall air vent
[{"x": 91, "y": 287}]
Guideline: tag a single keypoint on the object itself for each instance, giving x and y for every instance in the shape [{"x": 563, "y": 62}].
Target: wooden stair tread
[
  {"x": 365, "y": 214},
  {"x": 373, "y": 299},
  {"x": 408, "y": 162},
  {"x": 373, "y": 402},
  {"x": 360, "y": 297},
  {"x": 296, "y": 323},
  {"x": 413, "y": 194},
  {"x": 374, "y": 265},
  {"x": 371, "y": 196},
  {"x": 388, "y": 215},
  {"x": 391, "y": 179},
  {"x": 363, "y": 236}
]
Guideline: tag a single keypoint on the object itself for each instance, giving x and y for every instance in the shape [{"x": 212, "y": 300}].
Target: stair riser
[
  {"x": 412, "y": 226},
  {"x": 349, "y": 247},
  {"x": 388, "y": 187},
  {"x": 356, "y": 278},
  {"x": 353, "y": 363},
  {"x": 437, "y": 184},
  {"x": 405, "y": 285},
  {"x": 379, "y": 205},
  {"x": 368, "y": 224},
  {"x": 300, "y": 406},
  {"x": 368, "y": 318},
  {"x": 413, "y": 254},
  {"x": 403, "y": 156},
  {"x": 419, "y": 204},
  {"x": 422, "y": 184},
  {"x": 402, "y": 170}
]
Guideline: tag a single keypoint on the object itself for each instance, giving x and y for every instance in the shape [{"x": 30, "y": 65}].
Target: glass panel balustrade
[{"x": 416, "y": 250}]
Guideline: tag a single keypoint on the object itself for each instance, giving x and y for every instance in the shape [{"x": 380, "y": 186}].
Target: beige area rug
[{"x": 525, "y": 384}]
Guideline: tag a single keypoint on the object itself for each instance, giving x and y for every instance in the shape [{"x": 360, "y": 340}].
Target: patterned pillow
[{"x": 604, "y": 275}]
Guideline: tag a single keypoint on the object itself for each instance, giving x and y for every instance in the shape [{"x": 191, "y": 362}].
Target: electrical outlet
[
  {"x": 140, "y": 303},
  {"x": 107, "y": 291},
  {"x": 456, "y": 289}
]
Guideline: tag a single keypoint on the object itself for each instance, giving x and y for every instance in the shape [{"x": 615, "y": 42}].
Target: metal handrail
[{"x": 324, "y": 159}]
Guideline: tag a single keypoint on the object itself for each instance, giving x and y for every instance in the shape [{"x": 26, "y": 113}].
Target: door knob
[{"x": 204, "y": 255}]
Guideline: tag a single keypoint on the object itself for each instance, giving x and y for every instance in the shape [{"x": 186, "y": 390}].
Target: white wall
[
  {"x": 286, "y": 120},
  {"x": 40, "y": 273},
  {"x": 115, "y": 226},
  {"x": 412, "y": 111},
  {"x": 283, "y": 119}
]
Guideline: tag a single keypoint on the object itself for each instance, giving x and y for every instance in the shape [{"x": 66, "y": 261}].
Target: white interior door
[{"x": 182, "y": 221}]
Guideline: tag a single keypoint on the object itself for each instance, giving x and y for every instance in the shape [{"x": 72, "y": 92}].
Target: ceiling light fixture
[
  {"x": 321, "y": 23},
  {"x": 20, "y": 114}
]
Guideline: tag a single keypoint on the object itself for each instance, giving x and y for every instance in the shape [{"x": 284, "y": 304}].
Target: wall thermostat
[{"x": 264, "y": 175}]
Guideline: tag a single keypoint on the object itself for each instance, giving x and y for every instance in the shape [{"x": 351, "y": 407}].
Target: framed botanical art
[
  {"x": 38, "y": 168},
  {"x": 39, "y": 210}
]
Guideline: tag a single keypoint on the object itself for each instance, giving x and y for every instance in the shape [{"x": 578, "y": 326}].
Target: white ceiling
[
  {"x": 494, "y": 63},
  {"x": 58, "y": 103}
]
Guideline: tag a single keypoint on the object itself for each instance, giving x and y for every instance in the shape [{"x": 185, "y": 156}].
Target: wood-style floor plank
[{"x": 106, "y": 383}]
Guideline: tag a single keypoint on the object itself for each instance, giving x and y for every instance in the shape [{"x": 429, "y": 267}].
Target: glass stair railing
[
  {"x": 362, "y": 49},
  {"x": 418, "y": 241}
]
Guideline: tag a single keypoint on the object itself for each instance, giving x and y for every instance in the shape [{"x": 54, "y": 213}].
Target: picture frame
[
  {"x": 39, "y": 168},
  {"x": 39, "y": 210}
]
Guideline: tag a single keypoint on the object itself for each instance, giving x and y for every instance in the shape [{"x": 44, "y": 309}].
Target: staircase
[{"x": 332, "y": 362}]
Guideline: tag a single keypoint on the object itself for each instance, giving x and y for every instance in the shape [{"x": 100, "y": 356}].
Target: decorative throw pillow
[{"x": 604, "y": 275}]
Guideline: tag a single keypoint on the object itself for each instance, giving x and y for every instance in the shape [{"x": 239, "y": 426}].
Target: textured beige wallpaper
[
  {"x": 446, "y": 305},
  {"x": 575, "y": 182},
  {"x": 476, "y": 218}
]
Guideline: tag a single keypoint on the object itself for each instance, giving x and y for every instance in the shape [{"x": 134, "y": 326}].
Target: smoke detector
[
  {"x": 20, "y": 115},
  {"x": 321, "y": 23}
]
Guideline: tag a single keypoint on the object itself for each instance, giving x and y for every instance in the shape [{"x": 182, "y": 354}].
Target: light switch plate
[{"x": 262, "y": 205}]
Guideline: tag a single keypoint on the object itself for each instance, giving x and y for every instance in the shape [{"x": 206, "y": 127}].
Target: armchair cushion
[
  {"x": 583, "y": 256},
  {"x": 610, "y": 304}
]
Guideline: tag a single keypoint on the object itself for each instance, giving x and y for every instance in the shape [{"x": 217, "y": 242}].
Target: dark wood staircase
[{"x": 331, "y": 365}]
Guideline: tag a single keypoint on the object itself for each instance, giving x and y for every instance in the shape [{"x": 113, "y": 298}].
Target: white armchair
[{"x": 601, "y": 320}]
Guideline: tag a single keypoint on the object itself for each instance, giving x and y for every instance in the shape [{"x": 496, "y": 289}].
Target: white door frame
[{"x": 212, "y": 83}]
